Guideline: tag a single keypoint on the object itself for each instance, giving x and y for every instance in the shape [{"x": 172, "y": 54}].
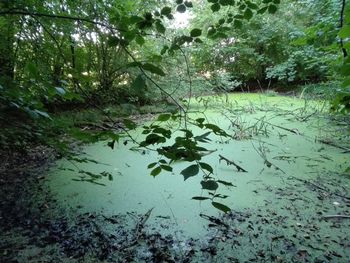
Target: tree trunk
[{"x": 7, "y": 39}]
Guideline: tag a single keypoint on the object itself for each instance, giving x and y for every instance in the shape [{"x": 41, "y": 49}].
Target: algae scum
[{"x": 292, "y": 204}]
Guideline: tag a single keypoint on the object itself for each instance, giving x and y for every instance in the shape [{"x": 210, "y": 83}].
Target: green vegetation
[
  {"x": 239, "y": 107},
  {"x": 117, "y": 58}
]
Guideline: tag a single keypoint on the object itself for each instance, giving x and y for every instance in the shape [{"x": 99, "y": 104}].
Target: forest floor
[{"x": 304, "y": 220}]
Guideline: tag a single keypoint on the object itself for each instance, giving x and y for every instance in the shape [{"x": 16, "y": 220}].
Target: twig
[
  {"x": 333, "y": 144},
  {"x": 283, "y": 128},
  {"x": 336, "y": 216},
  {"x": 319, "y": 187},
  {"x": 229, "y": 162}
]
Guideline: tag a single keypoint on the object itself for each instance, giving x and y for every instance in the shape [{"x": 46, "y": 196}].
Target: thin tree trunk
[{"x": 7, "y": 39}]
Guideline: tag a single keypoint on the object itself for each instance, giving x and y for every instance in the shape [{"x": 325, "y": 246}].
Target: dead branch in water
[{"x": 229, "y": 162}]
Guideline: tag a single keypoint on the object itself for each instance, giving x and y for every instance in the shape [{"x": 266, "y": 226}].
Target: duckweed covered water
[{"x": 296, "y": 160}]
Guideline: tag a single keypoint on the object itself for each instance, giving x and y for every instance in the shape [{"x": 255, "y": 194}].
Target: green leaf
[
  {"x": 166, "y": 168},
  {"x": 135, "y": 19},
  {"x": 129, "y": 124},
  {"x": 166, "y": 11},
  {"x": 248, "y": 14},
  {"x": 156, "y": 171},
  {"x": 215, "y": 7},
  {"x": 160, "y": 27},
  {"x": 140, "y": 40},
  {"x": 164, "y": 49},
  {"x": 210, "y": 185},
  {"x": 237, "y": 23},
  {"x": 196, "y": 32},
  {"x": 190, "y": 171},
  {"x": 181, "y": 8},
  {"x": 200, "y": 198},
  {"x": 203, "y": 137},
  {"x": 344, "y": 32},
  {"x": 113, "y": 41},
  {"x": 42, "y": 113},
  {"x": 252, "y": 5},
  {"x": 225, "y": 2},
  {"x": 221, "y": 207},
  {"x": 153, "y": 139},
  {"x": 272, "y": 9},
  {"x": 211, "y": 32},
  {"x": 179, "y": 1},
  {"x": 164, "y": 117},
  {"x": 151, "y": 165},
  {"x": 207, "y": 167},
  {"x": 153, "y": 69},
  {"x": 139, "y": 84},
  {"x": 188, "y": 4}
]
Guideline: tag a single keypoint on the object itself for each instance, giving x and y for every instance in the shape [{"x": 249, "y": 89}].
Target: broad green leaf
[
  {"x": 221, "y": 207},
  {"x": 129, "y": 124},
  {"x": 251, "y": 5},
  {"x": 166, "y": 11},
  {"x": 151, "y": 165},
  {"x": 196, "y": 32},
  {"x": 153, "y": 139},
  {"x": 166, "y": 133},
  {"x": 215, "y": 7},
  {"x": 207, "y": 167},
  {"x": 166, "y": 168},
  {"x": 140, "y": 40},
  {"x": 225, "y": 2},
  {"x": 164, "y": 49},
  {"x": 248, "y": 14},
  {"x": 262, "y": 10},
  {"x": 181, "y": 8},
  {"x": 272, "y": 9},
  {"x": 237, "y": 23},
  {"x": 210, "y": 185},
  {"x": 160, "y": 27},
  {"x": 153, "y": 69},
  {"x": 156, "y": 171},
  {"x": 135, "y": 19},
  {"x": 344, "y": 32},
  {"x": 190, "y": 171},
  {"x": 139, "y": 84},
  {"x": 164, "y": 117},
  {"x": 188, "y": 4},
  {"x": 200, "y": 198},
  {"x": 211, "y": 32}
]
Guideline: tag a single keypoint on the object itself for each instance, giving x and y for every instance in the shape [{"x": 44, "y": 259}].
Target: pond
[{"x": 282, "y": 208}]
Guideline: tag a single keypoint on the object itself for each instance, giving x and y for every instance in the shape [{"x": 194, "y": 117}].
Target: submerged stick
[
  {"x": 334, "y": 145},
  {"x": 337, "y": 216},
  {"x": 229, "y": 162}
]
